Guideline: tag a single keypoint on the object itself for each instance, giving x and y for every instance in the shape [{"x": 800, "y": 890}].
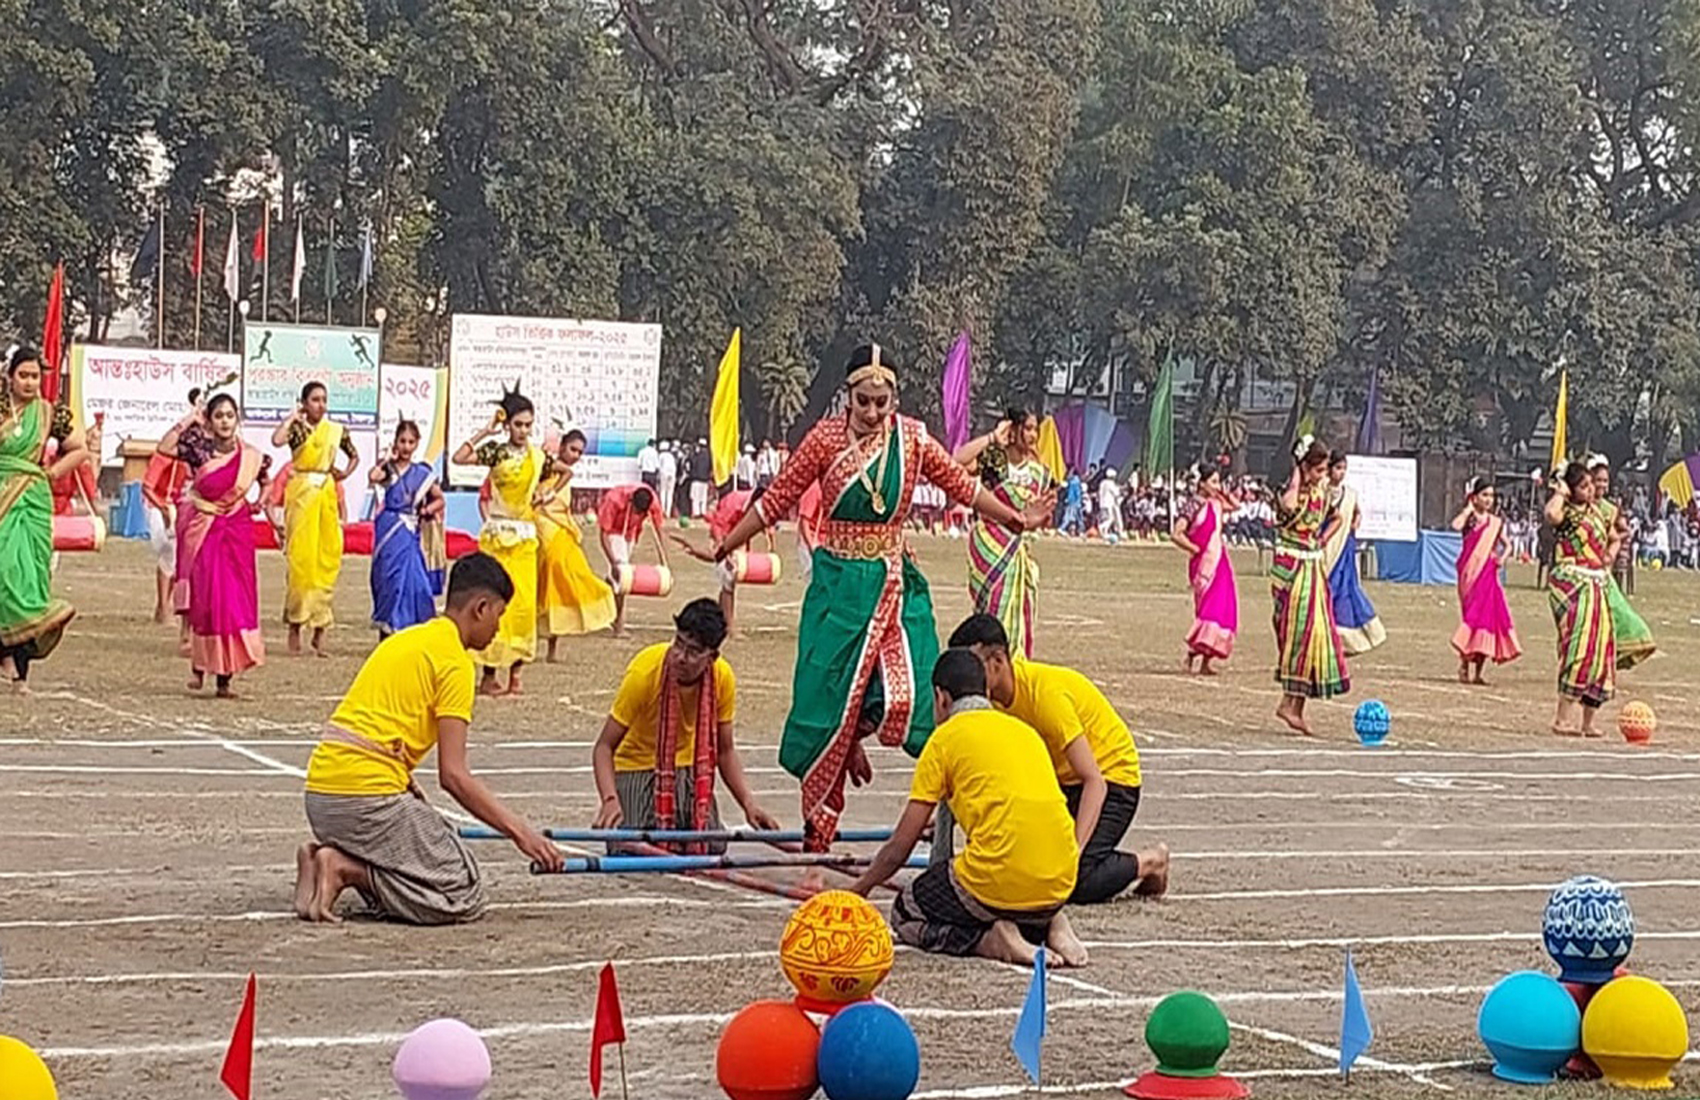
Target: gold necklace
[{"x": 873, "y": 486}]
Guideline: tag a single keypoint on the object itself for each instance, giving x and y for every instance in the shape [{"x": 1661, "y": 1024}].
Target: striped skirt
[
  {"x": 1310, "y": 659},
  {"x": 422, "y": 872},
  {"x": 636, "y": 791},
  {"x": 1587, "y": 654}
]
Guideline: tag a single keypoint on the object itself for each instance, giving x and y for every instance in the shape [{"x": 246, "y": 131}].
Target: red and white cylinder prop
[
  {"x": 750, "y": 567},
  {"x": 75, "y": 534},
  {"x": 643, "y": 580}
]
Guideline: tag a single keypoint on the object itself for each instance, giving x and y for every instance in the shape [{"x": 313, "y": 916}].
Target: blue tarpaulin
[{"x": 1432, "y": 559}]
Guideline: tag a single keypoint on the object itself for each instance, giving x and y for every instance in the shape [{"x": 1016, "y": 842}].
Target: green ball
[{"x": 1188, "y": 1034}]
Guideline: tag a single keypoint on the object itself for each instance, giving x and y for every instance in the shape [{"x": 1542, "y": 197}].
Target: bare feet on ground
[
  {"x": 1064, "y": 943},
  {"x": 1153, "y": 872},
  {"x": 306, "y": 879},
  {"x": 1003, "y": 942},
  {"x": 197, "y": 681},
  {"x": 1294, "y": 718}
]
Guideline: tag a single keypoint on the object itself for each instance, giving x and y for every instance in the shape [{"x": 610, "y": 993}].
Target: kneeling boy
[
  {"x": 374, "y": 830},
  {"x": 670, "y": 730},
  {"x": 1006, "y": 889},
  {"x": 1068, "y": 710}
]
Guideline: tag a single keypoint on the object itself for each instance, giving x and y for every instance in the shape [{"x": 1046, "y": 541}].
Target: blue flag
[
  {"x": 1355, "y": 1030},
  {"x": 1030, "y": 1026}
]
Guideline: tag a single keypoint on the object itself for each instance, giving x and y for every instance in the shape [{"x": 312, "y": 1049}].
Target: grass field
[{"x": 148, "y": 836}]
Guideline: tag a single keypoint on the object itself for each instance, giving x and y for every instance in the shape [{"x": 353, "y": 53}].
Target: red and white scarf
[{"x": 668, "y": 729}]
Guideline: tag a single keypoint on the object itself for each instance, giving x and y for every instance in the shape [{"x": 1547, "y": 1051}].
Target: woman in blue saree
[{"x": 404, "y": 586}]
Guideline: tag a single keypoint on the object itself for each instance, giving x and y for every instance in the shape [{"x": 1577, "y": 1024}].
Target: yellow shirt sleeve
[
  {"x": 725, "y": 691},
  {"x": 454, "y": 688}
]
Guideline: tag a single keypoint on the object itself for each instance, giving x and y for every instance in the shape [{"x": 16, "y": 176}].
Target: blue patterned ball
[
  {"x": 1372, "y": 722},
  {"x": 1588, "y": 929}
]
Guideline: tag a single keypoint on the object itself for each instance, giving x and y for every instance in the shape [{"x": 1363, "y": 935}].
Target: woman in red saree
[
  {"x": 1486, "y": 632},
  {"x": 867, "y": 639},
  {"x": 224, "y": 593}
]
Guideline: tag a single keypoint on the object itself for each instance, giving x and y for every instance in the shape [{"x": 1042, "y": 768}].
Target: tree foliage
[{"x": 1458, "y": 194}]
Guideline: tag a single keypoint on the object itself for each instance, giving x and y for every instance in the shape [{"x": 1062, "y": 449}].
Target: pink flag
[{"x": 958, "y": 375}]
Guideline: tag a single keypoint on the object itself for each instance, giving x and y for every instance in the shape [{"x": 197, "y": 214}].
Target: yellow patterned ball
[
  {"x": 836, "y": 948},
  {"x": 1637, "y": 722},
  {"x": 1636, "y": 1032}
]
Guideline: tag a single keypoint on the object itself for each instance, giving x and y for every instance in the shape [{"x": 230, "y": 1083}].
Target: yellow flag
[
  {"x": 1560, "y": 420},
  {"x": 723, "y": 412},
  {"x": 1050, "y": 449}
]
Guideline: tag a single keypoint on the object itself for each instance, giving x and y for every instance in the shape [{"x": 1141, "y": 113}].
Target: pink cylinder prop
[
  {"x": 644, "y": 580},
  {"x": 756, "y": 568},
  {"x": 72, "y": 534}
]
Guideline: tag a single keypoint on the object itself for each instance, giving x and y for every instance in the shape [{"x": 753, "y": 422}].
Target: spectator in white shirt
[
  {"x": 767, "y": 464},
  {"x": 649, "y": 465},
  {"x": 669, "y": 488},
  {"x": 745, "y": 470},
  {"x": 1110, "y": 507}
]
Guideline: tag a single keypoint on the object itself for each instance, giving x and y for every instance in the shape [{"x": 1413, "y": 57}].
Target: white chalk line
[
  {"x": 1390, "y": 891},
  {"x": 1566, "y": 855},
  {"x": 763, "y": 903}
]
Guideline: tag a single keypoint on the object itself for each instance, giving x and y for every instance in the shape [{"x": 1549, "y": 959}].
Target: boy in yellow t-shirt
[
  {"x": 1068, "y": 710},
  {"x": 374, "y": 831},
  {"x": 1005, "y": 890},
  {"x": 671, "y": 723}
]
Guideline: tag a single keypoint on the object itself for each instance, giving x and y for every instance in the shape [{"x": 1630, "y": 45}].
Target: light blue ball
[
  {"x": 868, "y": 1052},
  {"x": 1531, "y": 1026},
  {"x": 1372, "y": 722}
]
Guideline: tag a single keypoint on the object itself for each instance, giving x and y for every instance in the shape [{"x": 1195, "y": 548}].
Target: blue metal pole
[
  {"x": 681, "y": 836},
  {"x": 671, "y": 864}
]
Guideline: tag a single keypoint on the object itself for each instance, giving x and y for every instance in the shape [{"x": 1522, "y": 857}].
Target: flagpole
[
  {"x": 330, "y": 265},
  {"x": 266, "y": 260},
  {"x": 624, "y": 1092},
  {"x": 200, "y": 259},
  {"x": 159, "y": 279},
  {"x": 295, "y": 269},
  {"x": 365, "y": 290}
]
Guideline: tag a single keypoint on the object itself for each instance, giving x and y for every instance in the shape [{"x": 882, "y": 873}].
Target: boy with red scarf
[{"x": 670, "y": 730}]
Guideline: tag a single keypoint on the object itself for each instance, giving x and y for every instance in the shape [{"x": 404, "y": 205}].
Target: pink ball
[{"x": 442, "y": 1060}]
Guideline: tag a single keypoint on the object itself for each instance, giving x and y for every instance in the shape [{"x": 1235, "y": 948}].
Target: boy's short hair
[
  {"x": 475, "y": 573},
  {"x": 980, "y": 629},
  {"x": 959, "y": 674},
  {"x": 703, "y": 622},
  {"x": 642, "y": 499}
]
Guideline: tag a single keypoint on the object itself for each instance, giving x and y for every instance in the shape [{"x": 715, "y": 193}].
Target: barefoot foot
[
  {"x": 1003, "y": 942},
  {"x": 306, "y": 879},
  {"x": 1153, "y": 872},
  {"x": 1062, "y": 941}
]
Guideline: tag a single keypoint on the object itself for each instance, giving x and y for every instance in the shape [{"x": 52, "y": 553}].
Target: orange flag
[
  {"x": 610, "y": 1027},
  {"x": 238, "y": 1072}
]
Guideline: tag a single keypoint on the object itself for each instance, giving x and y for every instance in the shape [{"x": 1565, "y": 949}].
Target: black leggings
[{"x": 1105, "y": 870}]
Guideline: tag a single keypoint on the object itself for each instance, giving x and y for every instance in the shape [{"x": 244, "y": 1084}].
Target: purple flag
[
  {"x": 958, "y": 375},
  {"x": 1369, "y": 429}
]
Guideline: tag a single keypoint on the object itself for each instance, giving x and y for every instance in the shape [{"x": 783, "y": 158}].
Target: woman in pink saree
[
  {"x": 1215, "y": 597},
  {"x": 1486, "y": 632},
  {"x": 223, "y": 616}
]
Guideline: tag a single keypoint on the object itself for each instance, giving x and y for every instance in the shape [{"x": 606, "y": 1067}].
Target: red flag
[
  {"x": 259, "y": 250},
  {"x": 53, "y": 334},
  {"x": 238, "y": 1072},
  {"x": 200, "y": 242},
  {"x": 610, "y": 1026}
]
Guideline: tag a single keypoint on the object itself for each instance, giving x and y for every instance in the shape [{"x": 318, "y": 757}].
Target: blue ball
[
  {"x": 1372, "y": 722},
  {"x": 1531, "y": 1026},
  {"x": 869, "y": 1052}
]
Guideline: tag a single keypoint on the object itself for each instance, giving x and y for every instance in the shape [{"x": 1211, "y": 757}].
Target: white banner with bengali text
[
  {"x": 1387, "y": 497},
  {"x": 419, "y": 394},
  {"x": 139, "y": 393}
]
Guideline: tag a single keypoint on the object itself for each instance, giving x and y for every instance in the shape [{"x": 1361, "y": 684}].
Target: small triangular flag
[
  {"x": 1355, "y": 1030},
  {"x": 1030, "y": 1025},
  {"x": 238, "y": 1072},
  {"x": 609, "y": 1026}
]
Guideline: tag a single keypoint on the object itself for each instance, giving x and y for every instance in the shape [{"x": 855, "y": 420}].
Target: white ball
[{"x": 442, "y": 1060}]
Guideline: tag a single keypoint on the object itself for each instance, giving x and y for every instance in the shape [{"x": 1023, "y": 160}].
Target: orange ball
[
  {"x": 1637, "y": 722},
  {"x": 768, "y": 1052}
]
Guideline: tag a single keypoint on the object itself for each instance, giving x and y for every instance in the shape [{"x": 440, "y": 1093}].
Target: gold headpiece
[{"x": 873, "y": 369}]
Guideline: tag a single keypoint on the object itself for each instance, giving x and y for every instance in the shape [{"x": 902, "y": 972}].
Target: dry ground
[{"x": 146, "y": 857}]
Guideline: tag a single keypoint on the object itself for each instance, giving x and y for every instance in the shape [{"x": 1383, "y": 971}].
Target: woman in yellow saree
[
  {"x": 31, "y": 620},
  {"x": 312, "y": 522},
  {"x": 509, "y": 535},
  {"x": 571, "y": 598}
]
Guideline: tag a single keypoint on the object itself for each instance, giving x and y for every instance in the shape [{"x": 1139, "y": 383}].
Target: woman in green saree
[
  {"x": 31, "y": 620},
  {"x": 866, "y": 638}
]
